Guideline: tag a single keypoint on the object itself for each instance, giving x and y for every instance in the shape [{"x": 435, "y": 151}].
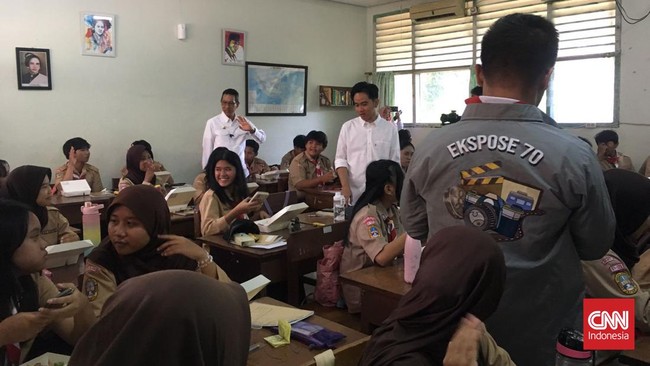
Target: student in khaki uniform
[
  {"x": 376, "y": 235},
  {"x": 138, "y": 243},
  {"x": 77, "y": 151},
  {"x": 254, "y": 164},
  {"x": 433, "y": 319},
  {"x": 608, "y": 157},
  {"x": 140, "y": 168},
  {"x": 311, "y": 169},
  {"x": 298, "y": 147},
  {"x": 157, "y": 166},
  {"x": 630, "y": 197},
  {"x": 31, "y": 185},
  {"x": 610, "y": 277},
  {"x": 25, "y": 293},
  {"x": 226, "y": 199}
]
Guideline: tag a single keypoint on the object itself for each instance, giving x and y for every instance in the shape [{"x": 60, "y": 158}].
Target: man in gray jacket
[{"x": 506, "y": 169}]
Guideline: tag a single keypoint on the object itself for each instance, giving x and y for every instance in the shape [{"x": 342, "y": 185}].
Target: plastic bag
[{"x": 328, "y": 287}]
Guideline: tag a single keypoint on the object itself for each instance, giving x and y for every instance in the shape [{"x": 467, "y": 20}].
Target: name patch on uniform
[
  {"x": 91, "y": 289},
  {"x": 369, "y": 221},
  {"x": 626, "y": 283},
  {"x": 91, "y": 268}
]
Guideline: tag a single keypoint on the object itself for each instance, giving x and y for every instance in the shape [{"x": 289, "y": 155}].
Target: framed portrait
[
  {"x": 234, "y": 47},
  {"x": 33, "y": 68},
  {"x": 98, "y": 34},
  {"x": 276, "y": 90}
]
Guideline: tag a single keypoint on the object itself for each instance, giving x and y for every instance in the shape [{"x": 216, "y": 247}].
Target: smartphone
[
  {"x": 65, "y": 292},
  {"x": 260, "y": 196}
]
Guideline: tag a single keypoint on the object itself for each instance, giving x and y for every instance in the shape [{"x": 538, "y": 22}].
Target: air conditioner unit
[{"x": 440, "y": 9}]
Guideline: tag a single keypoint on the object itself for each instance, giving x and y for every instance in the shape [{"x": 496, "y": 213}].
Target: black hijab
[
  {"x": 149, "y": 206},
  {"x": 133, "y": 158},
  {"x": 24, "y": 184},
  {"x": 462, "y": 271},
  {"x": 629, "y": 194}
]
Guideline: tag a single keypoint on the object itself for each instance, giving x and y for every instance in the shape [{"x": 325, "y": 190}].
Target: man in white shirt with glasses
[{"x": 229, "y": 130}]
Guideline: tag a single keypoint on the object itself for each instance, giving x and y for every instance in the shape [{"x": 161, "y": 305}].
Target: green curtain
[{"x": 385, "y": 81}]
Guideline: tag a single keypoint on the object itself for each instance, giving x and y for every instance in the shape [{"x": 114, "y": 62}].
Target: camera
[{"x": 450, "y": 118}]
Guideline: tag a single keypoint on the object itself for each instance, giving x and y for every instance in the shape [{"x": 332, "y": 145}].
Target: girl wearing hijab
[
  {"x": 610, "y": 277},
  {"x": 214, "y": 330},
  {"x": 226, "y": 199},
  {"x": 31, "y": 185},
  {"x": 139, "y": 168},
  {"x": 138, "y": 243},
  {"x": 376, "y": 235},
  {"x": 25, "y": 294},
  {"x": 157, "y": 166},
  {"x": 419, "y": 330}
]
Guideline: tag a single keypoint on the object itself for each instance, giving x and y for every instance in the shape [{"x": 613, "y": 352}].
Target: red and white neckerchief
[{"x": 318, "y": 170}]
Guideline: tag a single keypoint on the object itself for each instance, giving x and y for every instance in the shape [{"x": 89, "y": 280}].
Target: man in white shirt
[
  {"x": 363, "y": 140},
  {"x": 229, "y": 130}
]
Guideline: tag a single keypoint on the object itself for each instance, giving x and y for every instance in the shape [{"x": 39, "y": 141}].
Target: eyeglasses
[{"x": 229, "y": 104}]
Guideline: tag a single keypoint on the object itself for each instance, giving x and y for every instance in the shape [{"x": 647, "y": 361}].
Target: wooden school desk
[
  {"x": 182, "y": 225},
  {"x": 70, "y": 207},
  {"x": 320, "y": 198},
  {"x": 286, "y": 263},
  {"x": 298, "y": 353},
  {"x": 381, "y": 290}
]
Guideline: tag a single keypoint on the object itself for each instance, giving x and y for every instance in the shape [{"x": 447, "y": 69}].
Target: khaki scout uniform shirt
[
  {"x": 88, "y": 172},
  {"x": 287, "y": 159},
  {"x": 609, "y": 277},
  {"x": 369, "y": 233},
  {"x": 624, "y": 162},
  {"x": 201, "y": 185},
  {"x": 57, "y": 226},
  {"x": 641, "y": 271},
  {"x": 213, "y": 212},
  {"x": 491, "y": 354},
  {"x": 302, "y": 168},
  {"x": 258, "y": 166},
  {"x": 99, "y": 284},
  {"x": 46, "y": 290}
]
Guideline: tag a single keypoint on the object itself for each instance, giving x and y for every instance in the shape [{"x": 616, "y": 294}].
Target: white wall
[
  {"x": 634, "y": 129},
  {"x": 161, "y": 89}
]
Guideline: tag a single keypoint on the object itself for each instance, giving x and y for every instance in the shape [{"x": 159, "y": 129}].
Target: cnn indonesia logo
[{"x": 608, "y": 324}]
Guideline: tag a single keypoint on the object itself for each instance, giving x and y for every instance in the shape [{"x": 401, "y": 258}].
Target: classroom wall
[
  {"x": 162, "y": 89},
  {"x": 634, "y": 129}
]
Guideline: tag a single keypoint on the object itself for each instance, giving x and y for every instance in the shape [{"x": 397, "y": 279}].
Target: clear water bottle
[
  {"x": 90, "y": 222},
  {"x": 569, "y": 350},
  {"x": 339, "y": 207}
]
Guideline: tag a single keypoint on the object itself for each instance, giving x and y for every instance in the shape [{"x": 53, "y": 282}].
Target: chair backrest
[
  {"x": 277, "y": 201},
  {"x": 347, "y": 355}
]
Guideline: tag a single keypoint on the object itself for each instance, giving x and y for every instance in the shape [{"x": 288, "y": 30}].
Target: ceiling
[{"x": 366, "y": 3}]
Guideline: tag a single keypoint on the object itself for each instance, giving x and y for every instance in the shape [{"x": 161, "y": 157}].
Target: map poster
[{"x": 276, "y": 90}]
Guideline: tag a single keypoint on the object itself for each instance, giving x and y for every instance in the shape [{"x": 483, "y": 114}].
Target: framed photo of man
[
  {"x": 33, "y": 68},
  {"x": 98, "y": 35},
  {"x": 234, "y": 47}
]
